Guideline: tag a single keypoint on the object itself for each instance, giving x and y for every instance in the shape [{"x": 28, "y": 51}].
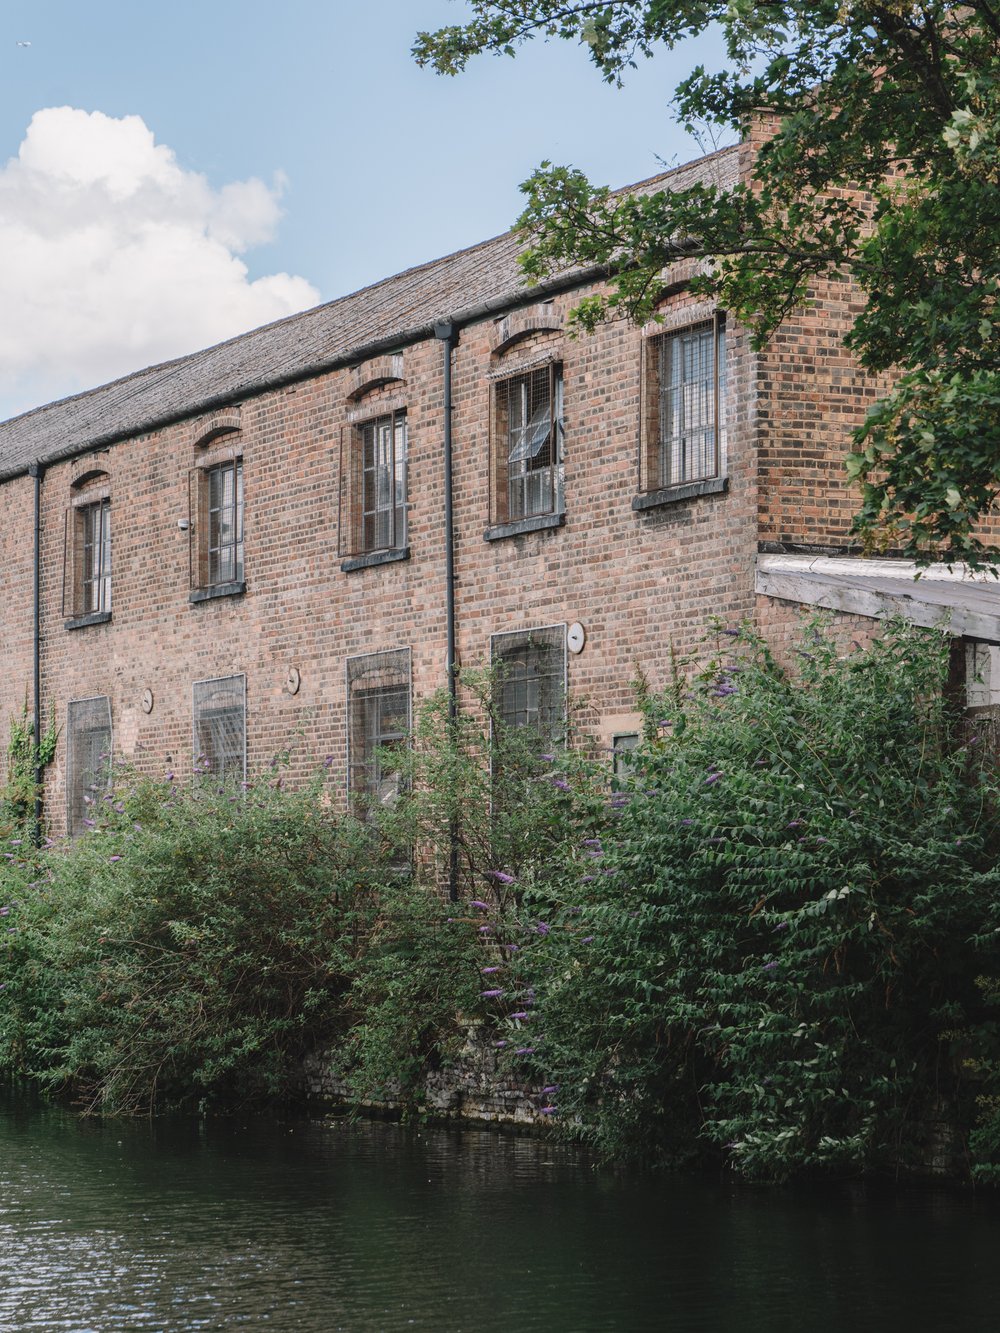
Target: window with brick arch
[
  {"x": 374, "y": 486},
  {"x": 225, "y": 523},
  {"x": 684, "y": 405},
  {"x": 528, "y": 445},
  {"x": 219, "y": 727},
  {"x": 94, "y": 523},
  {"x": 530, "y": 688},
  {"x": 86, "y": 596},
  {"x": 88, "y": 760},
  {"x": 379, "y": 698}
]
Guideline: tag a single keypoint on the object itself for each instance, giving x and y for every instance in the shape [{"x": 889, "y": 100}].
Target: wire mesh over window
[
  {"x": 225, "y": 523},
  {"x": 378, "y": 722},
  {"x": 528, "y": 471},
  {"x": 373, "y": 486},
  {"x": 88, "y": 759},
  {"x": 531, "y": 679},
  {"x": 220, "y": 732},
  {"x": 683, "y": 416}
]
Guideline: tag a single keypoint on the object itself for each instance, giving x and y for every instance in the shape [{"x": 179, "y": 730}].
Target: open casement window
[
  {"x": 216, "y": 503},
  {"x": 531, "y": 680},
  {"x": 373, "y": 486},
  {"x": 88, "y": 759},
  {"x": 378, "y": 720},
  {"x": 527, "y": 445},
  {"x": 220, "y": 727},
  {"x": 684, "y": 395},
  {"x": 87, "y": 559}
]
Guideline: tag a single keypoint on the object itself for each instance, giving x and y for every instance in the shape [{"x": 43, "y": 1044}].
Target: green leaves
[{"x": 880, "y": 164}]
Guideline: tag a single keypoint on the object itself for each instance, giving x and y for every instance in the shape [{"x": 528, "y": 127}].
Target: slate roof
[{"x": 399, "y": 310}]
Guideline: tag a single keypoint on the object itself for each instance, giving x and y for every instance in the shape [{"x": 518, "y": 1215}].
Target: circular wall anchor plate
[
  {"x": 146, "y": 702},
  {"x": 576, "y": 637},
  {"x": 293, "y": 680}
]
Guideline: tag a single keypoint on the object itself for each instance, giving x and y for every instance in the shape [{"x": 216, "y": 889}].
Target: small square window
[
  {"x": 373, "y": 509},
  {"x": 683, "y": 418},
  {"x": 528, "y": 467}
]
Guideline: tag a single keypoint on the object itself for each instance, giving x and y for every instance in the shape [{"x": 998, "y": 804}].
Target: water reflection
[{"x": 183, "y": 1226}]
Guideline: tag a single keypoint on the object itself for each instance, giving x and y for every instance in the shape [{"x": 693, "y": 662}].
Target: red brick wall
[{"x": 638, "y": 582}]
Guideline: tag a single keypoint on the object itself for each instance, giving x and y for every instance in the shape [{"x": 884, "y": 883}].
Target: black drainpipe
[
  {"x": 35, "y": 471},
  {"x": 445, "y": 330}
]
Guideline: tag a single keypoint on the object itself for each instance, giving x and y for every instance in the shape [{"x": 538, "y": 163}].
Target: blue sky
[{"x": 175, "y": 174}]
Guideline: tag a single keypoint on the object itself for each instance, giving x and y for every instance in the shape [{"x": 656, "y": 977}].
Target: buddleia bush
[
  {"x": 774, "y": 953},
  {"x": 189, "y": 949}
]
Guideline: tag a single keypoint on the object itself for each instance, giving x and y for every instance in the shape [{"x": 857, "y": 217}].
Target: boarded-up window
[
  {"x": 378, "y": 721},
  {"x": 88, "y": 759},
  {"x": 220, "y": 727},
  {"x": 531, "y": 679}
]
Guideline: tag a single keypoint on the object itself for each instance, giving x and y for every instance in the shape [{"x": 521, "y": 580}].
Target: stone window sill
[
  {"x": 234, "y": 589},
  {"x": 374, "y": 558},
  {"x": 538, "y": 523},
  {"x": 672, "y": 495},
  {"x": 94, "y": 618}
]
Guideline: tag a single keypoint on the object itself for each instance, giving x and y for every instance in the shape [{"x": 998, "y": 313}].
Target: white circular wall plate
[
  {"x": 576, "y": 637},
  {"x": 293, "y": 680},
  {"x": 146, "y": 702}
]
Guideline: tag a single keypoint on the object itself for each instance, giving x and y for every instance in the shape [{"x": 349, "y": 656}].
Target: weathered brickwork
[{"x": 640, "y": 580}]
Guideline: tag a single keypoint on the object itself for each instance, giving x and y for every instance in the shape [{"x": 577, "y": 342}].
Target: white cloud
[{"x": 113, "y": 257}]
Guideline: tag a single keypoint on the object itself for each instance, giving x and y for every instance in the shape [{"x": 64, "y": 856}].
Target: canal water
[{"x": 366, "y": 1227}]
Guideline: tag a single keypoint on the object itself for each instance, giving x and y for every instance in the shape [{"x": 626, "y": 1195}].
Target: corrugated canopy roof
[{"x": 392, "y": 313}]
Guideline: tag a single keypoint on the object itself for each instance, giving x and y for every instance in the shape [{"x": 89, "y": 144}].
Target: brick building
[{"x": 278, "y": 543}]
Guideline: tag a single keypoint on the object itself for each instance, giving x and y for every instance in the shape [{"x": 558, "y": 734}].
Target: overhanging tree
[{"x": 884, "y": 168}]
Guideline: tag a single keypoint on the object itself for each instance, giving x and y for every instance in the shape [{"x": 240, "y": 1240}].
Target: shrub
[{"x": 189, "y": 949}]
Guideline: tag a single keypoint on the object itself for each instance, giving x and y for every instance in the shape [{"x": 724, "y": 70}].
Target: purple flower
[
  {"x": 782, "y": 925},
  {"x": 502, "y": 878},
  {"x": 169, "y": 777},
  {"x": 521, "y": 1014},
  {"x": 546, "y": 1110},
  {"x": 560, "y": 784},
  {"x": 137, "y": 827},
  {"x": 547, "y": 758},
  {"x": 486, "y": 971},
  {"x": 114, "y": 858},
  {"x": 794, "y": 823},
  {"x": 512, "y": 948},
  {"x": 90, "y": 823},
  {"x": 553, "y": 1087},
  {"x": 490, "y": 994},
  {"x": 15, "y": 842},
  {"x": 769, "y": 967},
  {"x": 712, "y": 777},
  {"x": 500, "y": 1045},
  {"x": 587, "y": 939},
  {"x": 525, "y": 1050},
  {"x": 543, "y": 928},
  {"x": 4, "y": 911},
  {"x": 485, "y": 930},
  {"x": 587, "y": 879},
  {"x": 733, "y": 633},
  {"x": 478, "y": 902},
  {"x": 328, "y": 761},
  {"x": 686, "y": 823},
  {"x": 591, "y": 842}
]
